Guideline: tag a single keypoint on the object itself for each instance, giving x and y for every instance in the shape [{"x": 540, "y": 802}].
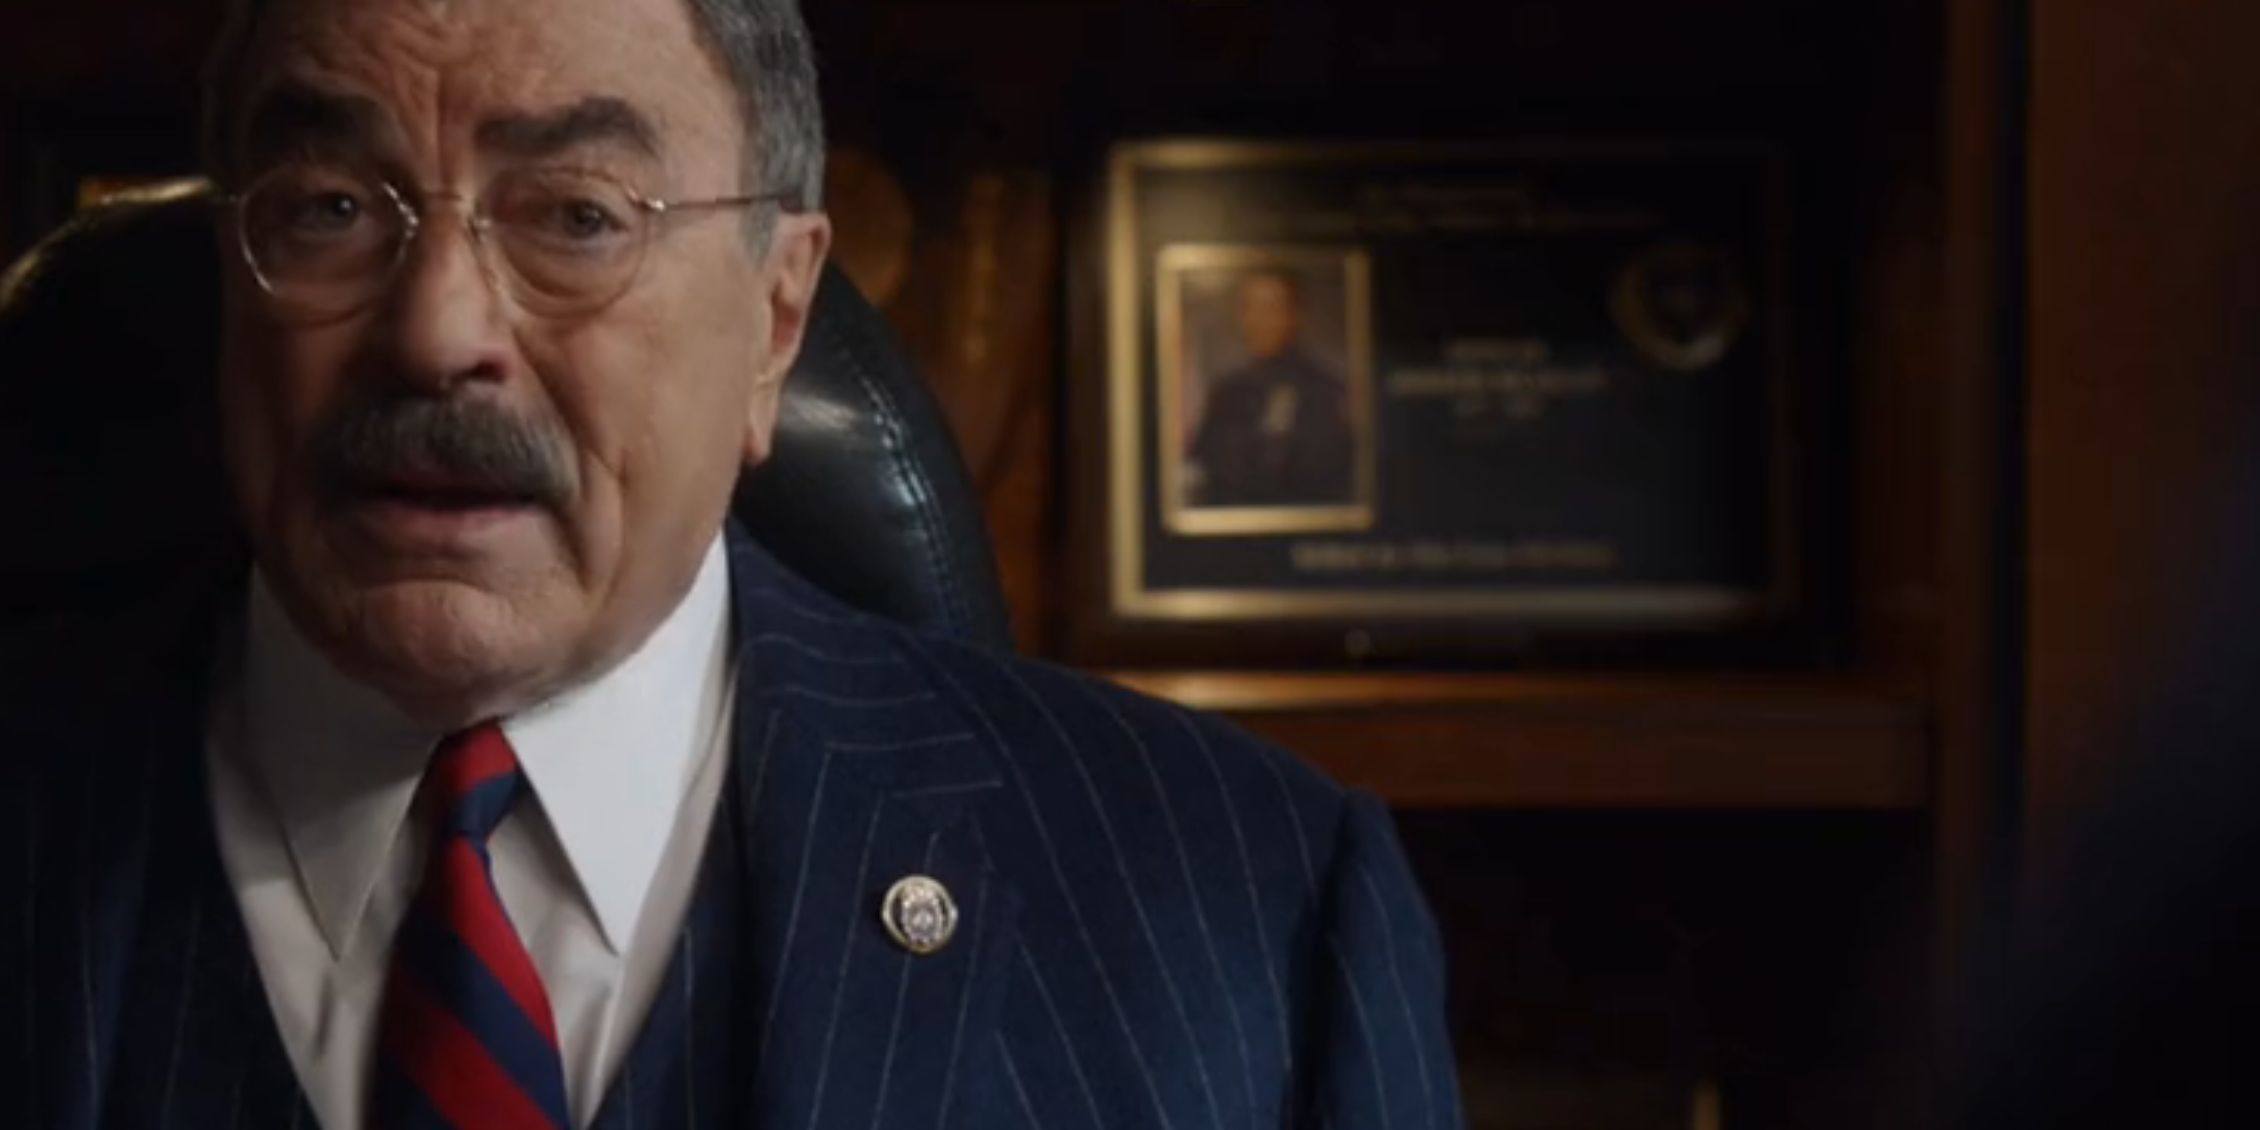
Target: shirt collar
[{"x": 608, "y": 761}]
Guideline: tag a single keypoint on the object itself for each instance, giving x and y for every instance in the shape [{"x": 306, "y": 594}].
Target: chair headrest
[{"x": 109, "y": 459}]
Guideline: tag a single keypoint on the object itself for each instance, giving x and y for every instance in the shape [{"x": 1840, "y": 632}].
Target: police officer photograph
[{"x": 1265, "y": 361}]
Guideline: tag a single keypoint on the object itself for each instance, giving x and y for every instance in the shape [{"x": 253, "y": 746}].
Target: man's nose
[{"x": 445, "y": 320}]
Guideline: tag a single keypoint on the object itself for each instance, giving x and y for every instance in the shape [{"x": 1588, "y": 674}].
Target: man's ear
[{"x": 797, "y": 246}]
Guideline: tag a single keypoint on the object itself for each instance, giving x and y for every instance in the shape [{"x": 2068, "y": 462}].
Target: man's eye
[
  {"x": 584, "y": 220},
  {"x": 318, "y": 212},
  {"x": 311, "y": 208}
]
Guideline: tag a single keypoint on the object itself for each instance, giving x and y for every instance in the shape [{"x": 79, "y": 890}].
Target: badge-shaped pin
[{"x": 920, "y": 914}]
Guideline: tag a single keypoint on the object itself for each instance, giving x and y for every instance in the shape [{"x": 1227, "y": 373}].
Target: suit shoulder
[
  {"x": 1020, "y": 692},
  {"x": 1098, "y": 745}
]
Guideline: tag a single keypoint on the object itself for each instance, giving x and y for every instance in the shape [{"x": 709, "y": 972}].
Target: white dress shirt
[{"x": 312, "y": 781}]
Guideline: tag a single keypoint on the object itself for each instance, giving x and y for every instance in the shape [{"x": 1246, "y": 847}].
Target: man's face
[
  {"x": 523, "y": 496},
  {"x": 1270, "y": 317}
]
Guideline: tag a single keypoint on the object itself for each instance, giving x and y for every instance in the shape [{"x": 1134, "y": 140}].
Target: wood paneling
[
  {"x": 1514, "y": 741},
  {"x": 1973, "y": 493},
  {"x": 2144, "y": 399}
]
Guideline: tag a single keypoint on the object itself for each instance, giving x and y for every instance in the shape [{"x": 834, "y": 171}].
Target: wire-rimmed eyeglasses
[{"x": 326, "y": 240}]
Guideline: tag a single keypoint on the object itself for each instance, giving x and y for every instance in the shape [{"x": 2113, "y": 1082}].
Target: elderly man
[{"x": 513, "y": 789}]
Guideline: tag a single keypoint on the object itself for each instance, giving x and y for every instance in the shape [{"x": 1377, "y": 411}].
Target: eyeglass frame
[{"x": 476, "y": 223}]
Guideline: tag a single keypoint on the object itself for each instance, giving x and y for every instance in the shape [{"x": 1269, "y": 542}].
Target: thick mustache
[{"x": 475, "y": 443}]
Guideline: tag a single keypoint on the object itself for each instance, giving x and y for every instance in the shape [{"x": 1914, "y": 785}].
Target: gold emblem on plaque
[{"x": 1681, "y": 304}]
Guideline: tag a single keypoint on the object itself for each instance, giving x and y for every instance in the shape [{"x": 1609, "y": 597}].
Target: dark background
[{"x": 2028, "y": 282}]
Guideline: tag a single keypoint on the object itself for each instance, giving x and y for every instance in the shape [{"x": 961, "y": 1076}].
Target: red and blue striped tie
[{"x": 466, "y": 1040}]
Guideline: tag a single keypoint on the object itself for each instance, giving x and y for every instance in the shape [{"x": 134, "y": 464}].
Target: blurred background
[{"x": 1725, "y": 878}]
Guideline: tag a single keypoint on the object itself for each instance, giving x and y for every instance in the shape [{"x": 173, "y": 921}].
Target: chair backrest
[{"x": 109, "y": 462}]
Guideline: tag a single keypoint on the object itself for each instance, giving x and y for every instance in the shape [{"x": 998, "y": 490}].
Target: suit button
[{"x": 920, "y": 915}]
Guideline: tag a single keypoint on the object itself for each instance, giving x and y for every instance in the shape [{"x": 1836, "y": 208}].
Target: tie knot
[{"x": 472, "y": 779}]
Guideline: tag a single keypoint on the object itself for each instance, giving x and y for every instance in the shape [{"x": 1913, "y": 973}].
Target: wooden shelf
[{"x": 1527, "y": 741}]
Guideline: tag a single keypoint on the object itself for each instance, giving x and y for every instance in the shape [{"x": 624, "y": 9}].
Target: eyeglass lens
[{"x": 327, "y": 240}]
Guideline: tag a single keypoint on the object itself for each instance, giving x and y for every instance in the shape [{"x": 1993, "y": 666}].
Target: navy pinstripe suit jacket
[{"x": 1163, "y": 922}]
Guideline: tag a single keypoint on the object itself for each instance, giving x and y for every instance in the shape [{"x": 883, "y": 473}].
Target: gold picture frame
[{"x": 1179, "y": 271}]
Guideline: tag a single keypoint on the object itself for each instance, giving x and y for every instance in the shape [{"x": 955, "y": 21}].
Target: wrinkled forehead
[{"x": 431, "y": 84}]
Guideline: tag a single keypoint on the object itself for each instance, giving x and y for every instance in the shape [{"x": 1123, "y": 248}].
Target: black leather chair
[{"x": 109, "y": 469}]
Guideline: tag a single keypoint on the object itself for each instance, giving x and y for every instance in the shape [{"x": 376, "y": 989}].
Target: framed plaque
[{"x": 1465, "y": 389}]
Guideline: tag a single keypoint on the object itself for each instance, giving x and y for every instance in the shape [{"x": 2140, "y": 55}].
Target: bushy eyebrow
[
  {"x": 591, "y": 120},
  {"x": 292, "y": 115}
]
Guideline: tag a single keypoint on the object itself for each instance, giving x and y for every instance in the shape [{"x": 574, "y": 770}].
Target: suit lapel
[{"x": 850, "y": 775}]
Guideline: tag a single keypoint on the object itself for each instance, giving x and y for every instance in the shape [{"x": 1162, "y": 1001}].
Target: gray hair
[{"x": 763, "y": 45}]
